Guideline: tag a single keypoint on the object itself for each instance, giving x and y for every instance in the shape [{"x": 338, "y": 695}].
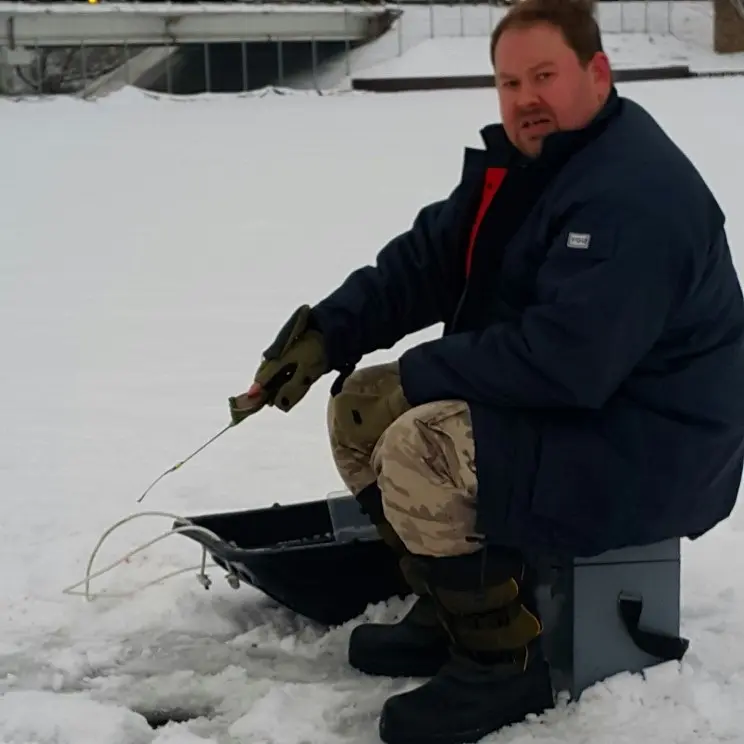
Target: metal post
[{"x": 4, "y": 73}]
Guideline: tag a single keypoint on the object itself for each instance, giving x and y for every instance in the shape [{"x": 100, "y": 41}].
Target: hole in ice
[{"x": 158, "y": 717}]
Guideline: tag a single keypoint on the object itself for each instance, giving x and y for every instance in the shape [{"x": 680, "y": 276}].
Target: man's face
[{"x": 543, "y": 87}]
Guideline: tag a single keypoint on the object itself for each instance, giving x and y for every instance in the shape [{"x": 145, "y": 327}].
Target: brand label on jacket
[{"x": 578, "y": 240}]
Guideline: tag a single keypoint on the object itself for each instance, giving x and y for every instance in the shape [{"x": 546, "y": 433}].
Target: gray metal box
[{"x": 590, "y": 610}]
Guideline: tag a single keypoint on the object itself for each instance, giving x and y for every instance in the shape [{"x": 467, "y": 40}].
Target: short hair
[{"x": 574, "y": 18}]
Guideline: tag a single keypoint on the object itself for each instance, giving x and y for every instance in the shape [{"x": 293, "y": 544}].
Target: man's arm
[
  {"x": 414, "y": 284},
  {"x": 598, "y": 310}
]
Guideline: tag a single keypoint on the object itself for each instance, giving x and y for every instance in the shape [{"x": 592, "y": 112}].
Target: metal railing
[{"x": 395, "y": 42}]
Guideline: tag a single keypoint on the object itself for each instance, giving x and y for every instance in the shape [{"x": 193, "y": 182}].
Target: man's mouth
[{"x": 534, "y": 122}]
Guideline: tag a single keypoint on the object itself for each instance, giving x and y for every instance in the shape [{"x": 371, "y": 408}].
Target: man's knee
[
  {"x": 351, "y": 459},
  {"x": 425, "y": 466},
  {"x": 369, "y": 380}
]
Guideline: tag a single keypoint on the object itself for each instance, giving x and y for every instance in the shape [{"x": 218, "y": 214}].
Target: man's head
[{"x": 551, "y": 72}]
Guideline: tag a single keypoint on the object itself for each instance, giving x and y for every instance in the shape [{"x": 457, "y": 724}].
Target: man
[{"x": 587, "y": 393}]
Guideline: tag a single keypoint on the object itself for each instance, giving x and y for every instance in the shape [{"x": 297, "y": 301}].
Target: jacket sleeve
[
  {"x": 602, "y": 297},
  {"x": 414, "y": 284}
]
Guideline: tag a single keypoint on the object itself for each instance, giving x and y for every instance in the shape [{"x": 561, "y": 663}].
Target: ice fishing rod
[{"x": 241, "y": 407}]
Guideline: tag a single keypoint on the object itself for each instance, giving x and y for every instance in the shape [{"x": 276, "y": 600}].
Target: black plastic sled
[{"x": 321, "y": 559}]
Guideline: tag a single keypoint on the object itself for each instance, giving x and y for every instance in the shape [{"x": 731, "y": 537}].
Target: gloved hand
[
  {"x": 362, "y": 417},
  {"x": 291, "y": 365}
]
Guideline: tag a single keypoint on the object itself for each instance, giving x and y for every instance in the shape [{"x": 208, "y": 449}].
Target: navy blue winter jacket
[{"x": 593, "y": 321}]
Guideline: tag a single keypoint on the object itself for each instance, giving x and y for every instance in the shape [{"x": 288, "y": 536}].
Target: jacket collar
[{"x": 556, "y": 146}]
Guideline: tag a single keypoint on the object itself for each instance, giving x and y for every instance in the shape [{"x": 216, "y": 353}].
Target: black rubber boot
[
  {"x": 496, "y": 674},
  {"x": 415, "y": 646}
]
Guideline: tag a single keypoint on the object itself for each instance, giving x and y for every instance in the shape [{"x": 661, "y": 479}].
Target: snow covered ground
[{"x": 149, "y": 251}]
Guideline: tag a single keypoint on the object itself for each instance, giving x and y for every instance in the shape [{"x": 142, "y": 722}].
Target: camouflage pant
[{"x": 424, "y": 465}]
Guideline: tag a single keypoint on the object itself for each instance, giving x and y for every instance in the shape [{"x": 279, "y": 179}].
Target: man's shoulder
[
  {"x": 636, "y": 140},
  {"x": 639, "y": 143},
  {"x": 636, "y": 162}
]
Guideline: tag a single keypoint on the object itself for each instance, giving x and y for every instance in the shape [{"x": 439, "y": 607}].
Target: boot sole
[
  {"x": 389, "y": 735},
  {"x": 460, "y": 737}
]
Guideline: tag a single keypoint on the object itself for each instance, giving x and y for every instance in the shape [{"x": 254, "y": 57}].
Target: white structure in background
[
  {"x": 155, "y": 24},
  {"x": 158, "y": 29}
]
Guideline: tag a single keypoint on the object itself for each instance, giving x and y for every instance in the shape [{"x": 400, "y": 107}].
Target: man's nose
[{"x": 527, "y": 97}]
